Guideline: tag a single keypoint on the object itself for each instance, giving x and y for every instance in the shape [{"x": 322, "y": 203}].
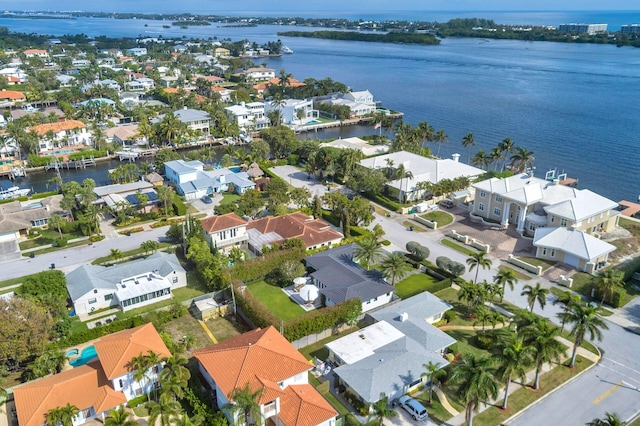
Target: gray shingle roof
[
  {"x": 84, "y": 279},
  {"x": 343, "y": 279}
]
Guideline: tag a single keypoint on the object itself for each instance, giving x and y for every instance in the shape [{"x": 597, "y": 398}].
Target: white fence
[{"x": 524, "y": 265}]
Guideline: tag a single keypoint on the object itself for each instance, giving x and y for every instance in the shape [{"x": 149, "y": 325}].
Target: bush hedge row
[
  {"x": 75, "y": 156},
  {"x": 259, "y": 267},
  {"x": 44, "y": 195},
  {"x": 384, "y": 201},
  {"x": 179, "y": 208}
]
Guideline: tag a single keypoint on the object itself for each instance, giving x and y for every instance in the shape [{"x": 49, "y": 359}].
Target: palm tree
[
  {"x": 479, "y": 260},
  {"x": 245, "y": 401},
  {"x": 584, "y": 319},
  {"x": 149, "y": 246},
  {"x": 521, "y": 160},
  {"x": 432, "y": 368},
  {"x": 481, "y": 159},
  {"x": 116, "y": 254},
  {"x": 165, "y": 409},
  {"x": 174, "y": 367},
  {"x": 120, "y": 417},
  {"x": 56, "y": 221},
  {"x": 468, "y": 142},
  {"x": 542, "y": 338},
  {"x": 165, "y": 194},
  {"x": 61, "y": 415},
  {"x": 568, "y": 299},
  {"x": 514, "y": 359},
  {"x": 184, "y": 420},
  {"x": 608, "y": 282},
  {"x": 486, "y": 315},
  {"x": 395, "y": 266},
  {"x": 367, "y": 251},
  {"x": 441, "y": 138},
  {"x": 535, "y": 294},
  {"x": 507, "y": 146},
  {"x": 139, "y": 366},
  {"x": 380, "y": 410},
  {"x": 477, "y": 384},
  {"x": 473, "y": 294},
  {"x": 505, "y": 277},
  {"x": 611, "y": 419}
]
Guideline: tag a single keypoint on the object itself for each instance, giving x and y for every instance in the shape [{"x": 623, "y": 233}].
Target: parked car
[
  {"x": 206, "y": 199},
  {"x": 447, "y": 204},
  {"x": 413, "y": 407}
]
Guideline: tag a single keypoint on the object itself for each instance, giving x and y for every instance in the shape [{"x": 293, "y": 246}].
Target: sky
[{"x": 215, "y": 6}]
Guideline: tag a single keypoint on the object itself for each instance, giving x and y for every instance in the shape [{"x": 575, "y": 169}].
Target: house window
[
  {"x": 553, "y": 219},
  {"x": 594, "y": 229},
  {"x": 532, "y": 227},
  {"x": 497, "y": 211},
  {"x": 481, "y": 207},
  {"x": 233, "y": 232},
  {"x": 39, "y": 222},
  {"x": 415, "y": 383},
  {"x": 108, "y": 297},
  {"x": 92, "y": 301},
  {"x": 483, "y": 194},
  {"x": 563, "y": 222},
  {"x": 553, "y": 252},
  {"x": 498, "y": 199},
  {"x": 223, "y": 235},
  {"x": 544, "y": 251},
  {"x": 174, "y": 280}
]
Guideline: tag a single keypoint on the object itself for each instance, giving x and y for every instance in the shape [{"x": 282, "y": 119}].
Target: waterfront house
[
  {"x": 264, "y": 361},
  {"x": 339, "y": 278},
  {"x": 225, "y": 232},
  {"x": 194, "y": 119},
  {"x": 125, "y": 286},
  {"x": 358, "y": 144},
  {"x": 294, "y": 112},
  {"x": 221, "y": 52},
  {"x": 422, "y": 169},
  {"x": 269, "y": 230},
  {"x": 192, "y": 181},
  {"x": 258, "y": 74},
  {"x": 100, "y": 385},
  {"x": 360, "y": 103},
  {"x": 63, "y": 133},
  {"x": 249, "y": 116},
  {"x": 119, "y": 195},
  {"x": 532, "y": 203},
  {"x": 388, "y": 356}
]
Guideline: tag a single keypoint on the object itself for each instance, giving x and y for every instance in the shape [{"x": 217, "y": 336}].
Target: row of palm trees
[
  {"x": 504, "y": 155},
  {"x": 394, "y": 266}
]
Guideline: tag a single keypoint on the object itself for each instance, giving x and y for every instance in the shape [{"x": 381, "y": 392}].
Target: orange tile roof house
[
  {"x": 265, "y": 360},
  {"x": 313, "y": 232},
  {"x": 30, "y": 53},
  {"x": 11, "y": 95},
  {"x": 226, "y": 231},
  {"x": 96, "y": 387},
  {"x": 67, "y": 132}
]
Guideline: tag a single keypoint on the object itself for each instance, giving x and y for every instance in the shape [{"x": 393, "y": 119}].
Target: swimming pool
[
  {"x": 71, "y": 353},
  {"x": 87, "y": 354},
  {"x": 235, "y": 169},
  {"x": 314, "y": 121}
]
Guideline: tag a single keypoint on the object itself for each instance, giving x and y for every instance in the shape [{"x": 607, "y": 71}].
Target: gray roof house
[
  {"x": 388, "y": 356},
  {"x": 192, "y": 181},
  {"x": 126, "y": 285},
  {"x": 193, "y": 118},
  {"x": 340, "y": 278}
]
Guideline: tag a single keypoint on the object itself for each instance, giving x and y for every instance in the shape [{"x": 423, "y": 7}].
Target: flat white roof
[{"x": 362, "y": 344}]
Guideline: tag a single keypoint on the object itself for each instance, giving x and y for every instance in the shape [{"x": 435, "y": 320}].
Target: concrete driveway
[
  {"x": 298, "y": 178},
  {"x": 404, "y": 419}
]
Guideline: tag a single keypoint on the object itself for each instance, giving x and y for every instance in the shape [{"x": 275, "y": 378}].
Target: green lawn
[
  {"x": 458, "y": 247},
  {"x": 228, "y": 198},
  {"x": 436, "y": 411},
  {"x": 524, "y": 396},
  {"x": 133, "y": 252},
  {"x": 47, "y": 236},
  {"x": 413, "y": 284},
  {"x": 416, "y": 227},
  {"x": 538, "y": 262},
  {"x": 519, "y": 275},
  {"x": 442, "y": 218},
  {"x": 274, "y": 299}
]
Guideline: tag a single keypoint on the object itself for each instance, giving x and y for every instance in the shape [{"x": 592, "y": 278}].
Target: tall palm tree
[
  {"x": 477, "y": 261},
  {"x": 473, "y": 294},
  {"x": 610, "y": 419},
  {"x": 481, "y": 159},
  {"x": 380, "y": 410},
  {"x": 568, "y": 299},
  {"x": 514, "y": 359},
  {"x": 61, "y": 415},
  {"x": 184, "y": 420},
  {"x": 367, "y": 251},
  {"x": 174, "y": 367},
  {"x": 56, "y": 221},
  {"x": 432, "y": 368},
  {"x": 473, "y": 373},
  {"x": 486, "y": 315},
  {"x": 245, "y": 401},
  {"x": 120, "y": 417},
  {"x": 166, "y": 410},
  {"x": 468, "y": 142},
  {"x": 521, "y": 160},
  {"x": 395, "y": 267},
  {"x": 507, "y": 146},
  {"x": 139, "y": 366},
  {"x": 165, "y": 195},
  {"x": 441, "y": 138},
  {"x": 505, "y": 277},
  {"x": 535, "y": 294},
  {"x": 584, "y": 320},
  {"x": 607, "y": 283},
  {"x": 542, "y": 338}
]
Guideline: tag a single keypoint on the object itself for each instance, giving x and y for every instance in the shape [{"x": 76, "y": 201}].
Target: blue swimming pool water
[
  {"x": 88, "y": 354},
  {"x": 235, "y": 169},
  {"x": 72, "y": 352}
]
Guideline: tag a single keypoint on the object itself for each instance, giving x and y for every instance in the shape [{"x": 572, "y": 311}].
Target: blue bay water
[{"x": 575, "y": 105}]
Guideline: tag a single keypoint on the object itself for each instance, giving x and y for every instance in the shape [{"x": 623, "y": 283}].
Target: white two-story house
[
  {"x": 61, "y": 133},
  {"x": 264, "y": 360},
  {"x": 226, "y": 231},
  {"x": 250, "y": 116},
  {"x": 103, "y": 383},
  {"x": 295, "y": 112}
]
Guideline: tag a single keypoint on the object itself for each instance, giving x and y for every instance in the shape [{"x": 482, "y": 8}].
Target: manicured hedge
[
  {"x": 44, "y": 195},
  {"x": 384, "y": 201},
  {"x": 259, "y": 267},
  {"x": 179, "y": 208},
  {"x": 320, "y": 319},
  {"x": 75, "y": 156},
  {"x": 37, "y": 161}
]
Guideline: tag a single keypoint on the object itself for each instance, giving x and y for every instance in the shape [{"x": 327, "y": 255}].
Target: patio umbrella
[
  {"x": 309, "y": 293},
  {"x": 300, "y": 280}
]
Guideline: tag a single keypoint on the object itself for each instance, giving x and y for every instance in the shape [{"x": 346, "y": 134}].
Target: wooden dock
[{"x": 75, "y": 164}]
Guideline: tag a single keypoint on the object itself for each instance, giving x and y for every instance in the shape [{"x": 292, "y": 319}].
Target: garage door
[{"x": 572, "y": 260}]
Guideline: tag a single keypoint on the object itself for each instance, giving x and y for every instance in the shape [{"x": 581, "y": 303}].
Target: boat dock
[
  {"x": 76, "y": 164},
  {"x": 134, "y": 154}
]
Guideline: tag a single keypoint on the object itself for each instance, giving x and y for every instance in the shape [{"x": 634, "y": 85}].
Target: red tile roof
[
  {"x": 84, "y": 387},
  {"x": 261, "y": 357},
  {"x": 12, "y": 95},
  {"x": 57, "y": 127},
  {"x": 219, "y": 223},
  {"x": 297, "y": 225},
  {"x": 302, "y": 405},
  {"x": 117, "y": 349}
]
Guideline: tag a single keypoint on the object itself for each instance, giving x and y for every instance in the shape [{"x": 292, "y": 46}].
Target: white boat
[
  {"x": 13, "y": 192},
  {"x": 286, "y": 50}
]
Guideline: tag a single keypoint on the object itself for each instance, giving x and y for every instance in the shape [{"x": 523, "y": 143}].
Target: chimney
[
  {"x": 456, "y": 157},
  {"x": 404, "y": 316},
  {"x": 185, "y": 107}
]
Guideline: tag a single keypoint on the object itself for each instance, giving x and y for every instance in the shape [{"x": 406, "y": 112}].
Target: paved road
[{"x": 69, "y": 259}]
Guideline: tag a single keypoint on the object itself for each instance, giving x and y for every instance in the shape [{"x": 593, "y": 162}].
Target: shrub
[
  {"x": 259, "y": 267},
  {"x": 37, "y": 161},
  {"x": 293, "y": 159},
  {"x": 450, "y": 315},
  {"x": 60, "y": 242},
  {"x": 132, "y": 403},
  {"x": 179, "y": 208},
  {"x": 44, "y": 195},
  {"x": 385, "y": 242},
  {"x": 96, "y": 238},
  {"x": 75, "y": 156},
  {"x": 484, "y": 340},
  {"x": 618, "y": 297}
]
